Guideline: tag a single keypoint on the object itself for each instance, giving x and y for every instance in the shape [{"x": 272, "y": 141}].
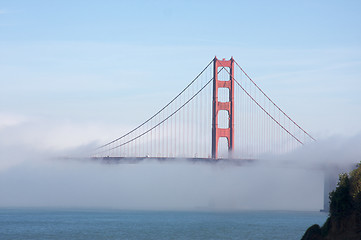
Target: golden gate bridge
[{"x": 221, "y": 114}]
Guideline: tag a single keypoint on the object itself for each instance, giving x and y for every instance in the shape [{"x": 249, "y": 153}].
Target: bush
[
  {"x": 355, "y": 188},
  {"x": 326, "y": 227},
  {"x": 312, "y": 233},
  {"x": 340, "y": 199}
]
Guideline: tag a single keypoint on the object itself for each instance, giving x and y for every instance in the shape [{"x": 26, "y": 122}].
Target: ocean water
[{"x": 117, "y": 224}]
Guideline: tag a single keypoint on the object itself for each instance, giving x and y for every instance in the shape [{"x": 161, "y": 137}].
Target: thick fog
[{"x": 33, "y": 173}]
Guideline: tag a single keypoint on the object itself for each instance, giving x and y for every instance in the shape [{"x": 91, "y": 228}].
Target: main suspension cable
[
  {"x": 160, "y": 121},
  {"x": 262, "y": 107},
  {"x": 159, "y": 110},
  {"x": 274, "y": 102}
]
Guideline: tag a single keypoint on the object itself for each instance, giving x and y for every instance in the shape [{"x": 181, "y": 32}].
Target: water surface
[{"x": 117, "y": 224}]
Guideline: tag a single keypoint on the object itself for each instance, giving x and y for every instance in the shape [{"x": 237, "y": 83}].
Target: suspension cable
[
  {"x": 162, "y": 120},
  {"x": 261, "y": 106},
  {"x": 274, "y": 102},
  {"x": 158, "y": 111}
]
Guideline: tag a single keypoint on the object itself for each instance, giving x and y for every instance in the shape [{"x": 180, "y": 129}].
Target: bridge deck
[{"x": 133, "y": 160}]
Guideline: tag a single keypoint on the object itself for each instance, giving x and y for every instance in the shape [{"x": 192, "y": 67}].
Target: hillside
[{"x": 344, "y": 221}]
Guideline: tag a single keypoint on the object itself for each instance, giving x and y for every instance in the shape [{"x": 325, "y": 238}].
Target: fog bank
[{"x": 36, "y": 177}]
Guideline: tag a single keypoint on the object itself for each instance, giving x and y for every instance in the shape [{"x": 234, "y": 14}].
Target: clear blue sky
[{"x": 80, "y": 62}]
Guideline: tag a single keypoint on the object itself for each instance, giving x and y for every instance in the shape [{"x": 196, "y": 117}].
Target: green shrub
[
  {"x": 326, "y": 227},
  {"x": 340, "y": 199},
  {"x": 313, "y": 232},
  {"x": 355, "y": 179},
  {"x": 347, "y": 196}
]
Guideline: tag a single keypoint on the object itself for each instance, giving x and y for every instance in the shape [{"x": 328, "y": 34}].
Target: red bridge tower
[{"x": 219, "y": 106}]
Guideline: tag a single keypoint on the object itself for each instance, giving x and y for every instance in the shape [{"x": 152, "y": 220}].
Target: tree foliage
[
  {"x": 347, "y": 196},
  {"x": 345, "y": 202},
  {"x": 340, "y": 199},
  {"x": 355, "y": 188}
]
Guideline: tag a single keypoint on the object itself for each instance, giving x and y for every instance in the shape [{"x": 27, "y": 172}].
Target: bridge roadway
[{"x": 134, "y": 160}]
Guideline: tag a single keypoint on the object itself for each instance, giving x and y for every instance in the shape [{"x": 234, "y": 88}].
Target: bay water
[{"x": 45, "y": 223}]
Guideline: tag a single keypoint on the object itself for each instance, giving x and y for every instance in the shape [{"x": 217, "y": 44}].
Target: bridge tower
[{"x": 217, "y": 132}]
